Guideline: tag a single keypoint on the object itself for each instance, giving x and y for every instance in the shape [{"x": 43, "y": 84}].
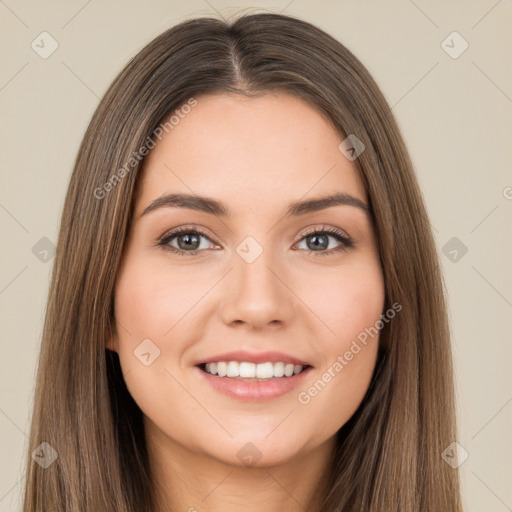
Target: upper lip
[{"x": 254, "y": 357}]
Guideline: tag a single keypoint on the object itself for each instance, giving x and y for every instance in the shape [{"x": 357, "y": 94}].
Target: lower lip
[{"x": 254, "y": 390}]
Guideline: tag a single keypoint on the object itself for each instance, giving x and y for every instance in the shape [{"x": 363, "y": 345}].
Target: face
[{"x": 255, "y": 281}]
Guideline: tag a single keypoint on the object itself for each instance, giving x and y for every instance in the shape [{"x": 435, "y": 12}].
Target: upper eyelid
[
  {"x": 328, "y": 229},
  {"x": 178, "y": 230}
]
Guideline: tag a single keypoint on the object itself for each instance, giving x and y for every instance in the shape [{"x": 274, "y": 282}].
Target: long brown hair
[{"x": 388, "y": 455}]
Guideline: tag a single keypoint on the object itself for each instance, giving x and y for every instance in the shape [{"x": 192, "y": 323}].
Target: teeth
[
  {"x": 265, "y": 371},
  {"x": 222, "y": 369},
  {"x": 288, "y": 369},
  {"x": 278, "y": 369},
  {"x": 244, "y": 370},
  {"x": 233, "y": 369}
]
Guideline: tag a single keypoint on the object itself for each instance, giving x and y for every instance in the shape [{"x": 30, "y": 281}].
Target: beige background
[{"x": 455, "y": 114}]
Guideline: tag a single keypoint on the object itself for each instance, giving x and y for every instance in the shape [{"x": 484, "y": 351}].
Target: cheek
[
  {"x": 351, "y": 305},
  {"x": 348, "y": 301},
  {"x": 150, "y": 301}
]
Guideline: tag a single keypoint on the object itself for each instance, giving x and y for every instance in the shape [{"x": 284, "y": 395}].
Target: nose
[{"x": 257, "y": 294}]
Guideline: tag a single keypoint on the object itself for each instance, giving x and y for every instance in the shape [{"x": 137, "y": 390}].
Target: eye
[
  {"x": 318, "y": 239},
  {"x": 188, "y": 241}
]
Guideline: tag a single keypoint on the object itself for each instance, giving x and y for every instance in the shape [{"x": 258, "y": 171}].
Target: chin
[{"x": 256, "y": 451}]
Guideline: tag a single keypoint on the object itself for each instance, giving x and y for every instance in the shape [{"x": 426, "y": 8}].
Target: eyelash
[{"x": 346, "y": 242}]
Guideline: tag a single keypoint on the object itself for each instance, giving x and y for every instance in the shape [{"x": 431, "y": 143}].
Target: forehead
[{"x": 249, "y": 152}]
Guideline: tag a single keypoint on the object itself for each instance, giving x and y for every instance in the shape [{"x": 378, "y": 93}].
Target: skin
[{"x": 257, "y": 155}]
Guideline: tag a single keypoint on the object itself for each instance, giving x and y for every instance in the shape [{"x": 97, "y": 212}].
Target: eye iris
[
  {"x": 315, "y": 244},
  {"x": 188, "y": 237}
]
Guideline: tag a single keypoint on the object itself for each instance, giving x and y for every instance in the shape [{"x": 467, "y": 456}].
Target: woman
[{"x": 246, "y": 310}]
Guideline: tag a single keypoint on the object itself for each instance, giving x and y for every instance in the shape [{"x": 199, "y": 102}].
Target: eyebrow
[{"x": 212, "y": 206}]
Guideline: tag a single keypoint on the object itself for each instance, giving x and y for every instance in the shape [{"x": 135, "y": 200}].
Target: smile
[
  {"x": 253, "y": 372},
  {"x": 270, "y": 380}
]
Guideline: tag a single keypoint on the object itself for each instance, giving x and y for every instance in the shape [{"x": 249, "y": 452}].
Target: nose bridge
[
  {"x": 257, "y": 293},
  {"x": 256, "y": 266}
]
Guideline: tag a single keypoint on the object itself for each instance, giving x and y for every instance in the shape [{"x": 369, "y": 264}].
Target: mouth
[
  {"x": 253, "y": 376},
  {"x": 253, "y": 372},
  {"x": 250, "y": 381}
]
